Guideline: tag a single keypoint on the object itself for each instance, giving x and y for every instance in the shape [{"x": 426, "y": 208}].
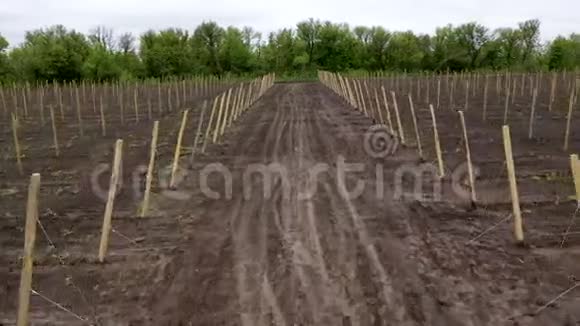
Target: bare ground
[{"x": 304, "y": 253}]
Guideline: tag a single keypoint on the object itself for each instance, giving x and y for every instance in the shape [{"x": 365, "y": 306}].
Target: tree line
[{"x": 60, "y": 54}]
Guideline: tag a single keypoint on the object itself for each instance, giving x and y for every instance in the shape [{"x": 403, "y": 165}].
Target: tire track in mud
[{"x": 287, "y": 258}]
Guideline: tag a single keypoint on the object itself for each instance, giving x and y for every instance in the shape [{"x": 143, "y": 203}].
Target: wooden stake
[
  {"x": 507, "y": 103},
  {"x": 485, "y": 91},
  {"x": 24, "y": 102},
  {"x": 569, "y": 120},
  {"x": 208, "y": 128},
  {"x": 227, "y": 113},
  {"x": 159, "y": 103},
  {"x": 437, "y": 143},
  {"x": 54, "y": 132},
  {"x": 532, "y": 113},
  {"x": 507, "y": 143},
  {"x": 381, "y": 120},
  {"x": 136, "y": 105},
  {"x": 122, "y": 107},
  {"x": 219, "y": 119},
  {"x": 79, "y": 116},
  {"x": 468, "y": 156},
  {"x": 386, "y": 102},
  {"x": 60, "y": 104},
  {"x": 438, "y": 92},
  {"x": 466, "y": 106},
  {"x": 552, "y": 91},
  {"x": 575, "y": 167},
  {"x": 15, "y": 127},
  {"x": 149, "y": 108},
  {"x": 28, "y": 255},
  {"x": 417, "y": 135},
  {"x": 178, "y": 149},
  {"x": 41, "y": 105},
  {"x": 3, "y": 101},
  {"x": 106, "y": 229},
  {"x": 364, "y": 105},
  {"x": 103, "y": 122},
  {"x": 401, "y": 132},
  {"x": 198, "y": 131},
  {"x": 151, "y": 166}
]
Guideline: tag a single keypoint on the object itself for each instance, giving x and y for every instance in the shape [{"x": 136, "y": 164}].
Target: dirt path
[{"x": 304, "y": 253}]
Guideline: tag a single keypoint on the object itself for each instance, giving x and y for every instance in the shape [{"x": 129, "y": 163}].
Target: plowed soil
[{"x": 301, "y": 252}]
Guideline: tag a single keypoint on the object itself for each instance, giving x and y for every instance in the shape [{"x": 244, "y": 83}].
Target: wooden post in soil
[
  {"x": 3, "y": 101},
  {"x": 438, "y": 92},
  {"x": 94, "y": 98},
  {"x": 28, "y": 255},
  {"x": 437, "y": 143},
  {"x": 106, "y": 228},
  {"x": 208, "y": 128},
  {"x": 416, "y": 126},
  {"x": 41, "y": 104},
  {"x": 15, "y": 127},
  {"x": 388, "y": 111},
  {"x": 79, "y": 114},
  {"x": 575, "y": 167},
  {"x": 552, "y": 92},
  {"x": 377, "y": 103},
  {"x": 122, "y": 107},
  {"x": 401, "y": 131},
  {"x": 466, "y": 105},
  {"x": 54, "y": 132},
  {"x": 368, "y": 96},
  {"x": 198, "y": 131},
  {"x": 468, "y": 157},
  {"x": 24, "y": 102},
  {"x": 357, "y": 103},
  {"x": 159, "y": 102},
  {"x": 507, "y": 143},
  {"x": 169, "y": 102},
  {"x": 177, "y": 153},
  {"x": 60, "y": 104},
  {"x": 226, "y": 113},
  {"x": 150, "y": 167},
  {"x": 514, "y": 90},
  {"x": 363, "y": 101},
  {"x": 452, "y": 95},
  {"x": 569, "y": 120},
  {"x": 507, "y": 104},
  {"x": 234, "y": 106},
  {"x": 219, "y": 118},
  {"x": 428, "y": 89},
  {"x": 532, "y": 114},
  {"x": 485, "y": 91},
  {"x": 102, "y": 114},
  {"x": 136, "y": 104},
  {"x": 149, "y": 107}
]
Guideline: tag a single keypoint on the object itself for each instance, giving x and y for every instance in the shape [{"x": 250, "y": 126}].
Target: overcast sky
[{"x": 423, "y": 16}]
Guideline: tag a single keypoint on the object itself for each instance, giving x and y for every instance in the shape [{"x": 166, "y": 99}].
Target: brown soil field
[{"x": 304, "y": 251}]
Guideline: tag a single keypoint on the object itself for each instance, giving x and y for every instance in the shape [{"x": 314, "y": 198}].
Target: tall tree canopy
[{"x": 59, "y": 54}]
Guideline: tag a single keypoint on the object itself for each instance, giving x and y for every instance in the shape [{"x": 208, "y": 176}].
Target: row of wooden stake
[
  {"x": 354, "y": 95},
  {"x": 243, "y": 98}
]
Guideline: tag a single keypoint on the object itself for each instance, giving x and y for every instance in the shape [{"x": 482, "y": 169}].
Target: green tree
[
  {"x": 167, "y": 53},
  {"x": 54, "y": 53},
  {"x": 309, "y": 32},
  {"x": 235, "y": 55},
  {"x": 207, "y": 40},
  {"x": 4, "y": 63},
  {"x": 530, "y": 38}
]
